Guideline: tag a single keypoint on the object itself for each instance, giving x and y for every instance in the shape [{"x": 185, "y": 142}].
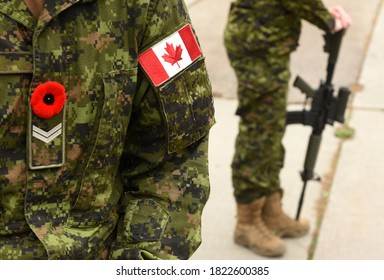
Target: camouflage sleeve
[
  {"x": 312, "y": 11},
  {"x": 164, "y": 170}
]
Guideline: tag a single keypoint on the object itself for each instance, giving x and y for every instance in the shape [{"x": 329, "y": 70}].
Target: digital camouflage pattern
[
  {"x": 127, "y": 178},
  {"x": 259, "y": 37}
]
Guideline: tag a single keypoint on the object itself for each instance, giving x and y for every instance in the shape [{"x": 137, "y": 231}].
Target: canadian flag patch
[{"x": 170, "y": 56}]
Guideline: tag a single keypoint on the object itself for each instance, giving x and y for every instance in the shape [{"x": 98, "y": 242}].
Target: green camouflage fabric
[
  {"x": 271, "y": 27},
  {"x": 126, "y": 175},
  {"x": 259, "y": 37}
]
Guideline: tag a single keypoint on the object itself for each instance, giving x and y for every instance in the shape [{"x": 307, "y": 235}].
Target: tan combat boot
[
  {"x": 251, "y": 231},
  {"x": 278, "y": 222}
]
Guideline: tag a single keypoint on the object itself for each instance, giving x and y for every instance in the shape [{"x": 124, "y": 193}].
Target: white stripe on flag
[{"x": 160, "y": 49}]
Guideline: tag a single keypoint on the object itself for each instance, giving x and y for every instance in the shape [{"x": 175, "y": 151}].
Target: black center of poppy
[{"x": 49, "y": 99}]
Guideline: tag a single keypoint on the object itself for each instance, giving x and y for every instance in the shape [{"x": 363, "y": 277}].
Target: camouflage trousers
[{"x": 259, "y": 152}]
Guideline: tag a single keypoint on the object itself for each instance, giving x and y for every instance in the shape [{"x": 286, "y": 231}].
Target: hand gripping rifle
[{"x": 325, "y": 109}]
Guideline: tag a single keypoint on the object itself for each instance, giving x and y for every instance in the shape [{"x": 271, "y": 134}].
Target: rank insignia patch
[
  {"x": 46, "y": 136},
  {"x": 46, "y": 129}
]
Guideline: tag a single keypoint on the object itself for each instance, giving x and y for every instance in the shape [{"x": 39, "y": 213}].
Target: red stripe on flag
[
  {"x": 153, "y": 67},
  {"x": 190, "y": 42}
]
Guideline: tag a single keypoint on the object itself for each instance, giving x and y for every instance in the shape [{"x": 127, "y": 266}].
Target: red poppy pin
[{"x": 48, "y": 99}]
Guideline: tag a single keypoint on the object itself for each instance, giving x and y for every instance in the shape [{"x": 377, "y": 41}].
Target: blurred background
[
  {"x": 345, "y": 208},
  {"x": 209, "y": 19}
]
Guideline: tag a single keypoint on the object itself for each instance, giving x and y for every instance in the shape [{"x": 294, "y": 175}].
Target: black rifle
[{"x": 325, "y": 109}]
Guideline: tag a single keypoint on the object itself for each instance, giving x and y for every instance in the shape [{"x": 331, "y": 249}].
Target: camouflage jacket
[
  {"x": 271, "y": 26},
  {"x": 121, "y": 171}
]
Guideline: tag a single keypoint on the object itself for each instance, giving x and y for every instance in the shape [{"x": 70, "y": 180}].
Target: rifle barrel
[{"x": 301, "y": 201}]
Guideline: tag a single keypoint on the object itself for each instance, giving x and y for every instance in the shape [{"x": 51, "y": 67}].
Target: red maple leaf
[{"x": 173, "y": 54}]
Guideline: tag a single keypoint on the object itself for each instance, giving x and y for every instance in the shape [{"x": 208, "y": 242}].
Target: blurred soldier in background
[{"x": 259, "y": 37}]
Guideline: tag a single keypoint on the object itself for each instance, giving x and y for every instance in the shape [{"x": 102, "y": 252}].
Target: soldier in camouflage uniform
[
  {"x": 259, "y": 37},
  {"x": 101, "y": 156}
]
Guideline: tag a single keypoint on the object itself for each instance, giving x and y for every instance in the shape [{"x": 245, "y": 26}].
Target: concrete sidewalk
[
  {"x": 353, "y": 219},
  {"x": 345, "y": 208}
]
